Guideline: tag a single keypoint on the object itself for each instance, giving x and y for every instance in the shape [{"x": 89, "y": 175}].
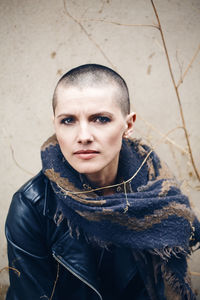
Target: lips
[
  {"x": 86, "y": 154},
  {"x": 85, "y": 151}
]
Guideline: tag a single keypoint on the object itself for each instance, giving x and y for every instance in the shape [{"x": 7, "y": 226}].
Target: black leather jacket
[{"x": 49, "y": 262}]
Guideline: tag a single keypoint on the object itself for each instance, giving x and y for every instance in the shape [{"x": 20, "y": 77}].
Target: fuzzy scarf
[{"x": 148, "y": 213}]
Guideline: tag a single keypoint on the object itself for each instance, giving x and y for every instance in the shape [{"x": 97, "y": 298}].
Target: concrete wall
[{"x": 42, "y": 39}]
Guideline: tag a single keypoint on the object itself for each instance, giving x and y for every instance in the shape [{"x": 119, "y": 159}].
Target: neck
[
  {"x": 103, "y": 183},
  {"x": 100, "y": 181},
  {"x": 103, "y": 180}
]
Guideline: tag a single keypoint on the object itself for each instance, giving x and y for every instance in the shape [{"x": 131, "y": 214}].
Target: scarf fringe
[
  {"x": 74, "y": 231},
  {"x": 167, "y": 252},
  {"x": 182, "y": 289}
]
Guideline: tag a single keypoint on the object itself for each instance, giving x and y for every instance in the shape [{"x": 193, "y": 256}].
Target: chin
[{"x": 87, "y": 169}]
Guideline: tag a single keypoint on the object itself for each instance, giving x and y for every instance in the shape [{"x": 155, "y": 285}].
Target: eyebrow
[{"x": 92, "y": 115}]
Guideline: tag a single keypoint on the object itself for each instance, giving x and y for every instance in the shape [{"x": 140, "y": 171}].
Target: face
[{"x": 89, "y": 126}]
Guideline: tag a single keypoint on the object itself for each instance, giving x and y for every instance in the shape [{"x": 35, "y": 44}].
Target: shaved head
[{"x": 93, "y": 75}]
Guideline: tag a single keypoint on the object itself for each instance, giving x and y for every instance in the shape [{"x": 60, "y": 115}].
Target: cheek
[
  {"x": 63, "y": 136},
  {"x": 115, "y": 136},
  {"x": 63, "y": 142}
]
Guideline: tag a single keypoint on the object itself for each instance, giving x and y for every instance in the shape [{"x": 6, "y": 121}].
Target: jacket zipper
[{"x": 75, "y": 274}]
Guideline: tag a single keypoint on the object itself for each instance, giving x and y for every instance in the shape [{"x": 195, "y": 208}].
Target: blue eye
[
  {"x": 102, "y": 119},
  {"x": 67, "y": 121}
]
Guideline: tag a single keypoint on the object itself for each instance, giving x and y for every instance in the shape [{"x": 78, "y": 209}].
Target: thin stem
[
  {"x": 188, "y": 67},
  {"x": 17, "y": 164},
  {"x": 121, "y": 24},
  {"x": 11, "y": 268},
  {"x": 54, "y": 287},
  {"x": 88, "y": 35},
  {"x": 177, "y": 93},
  {"x": 195, "y": 273},
  {"x": 168, "y": 140}
]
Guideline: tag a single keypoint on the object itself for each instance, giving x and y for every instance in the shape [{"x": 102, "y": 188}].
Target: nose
[{"x": 84, "y": 134}]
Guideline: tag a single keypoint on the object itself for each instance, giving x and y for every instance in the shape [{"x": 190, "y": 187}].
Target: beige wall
[{"x": 40, "y": 41}]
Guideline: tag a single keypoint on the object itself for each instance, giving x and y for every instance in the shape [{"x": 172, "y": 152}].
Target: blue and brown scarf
[{"x": 148, "y": 213}]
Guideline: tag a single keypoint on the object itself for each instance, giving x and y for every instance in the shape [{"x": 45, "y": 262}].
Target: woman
[{"x": 104, "y": 219}]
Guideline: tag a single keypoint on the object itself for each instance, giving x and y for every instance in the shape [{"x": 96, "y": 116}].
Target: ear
[{"x": 130, "y": 120}]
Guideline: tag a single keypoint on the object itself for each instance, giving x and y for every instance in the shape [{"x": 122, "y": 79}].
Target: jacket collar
[
  {"x": 77, "y": 256},
  {"x": 50, "y": 203}
]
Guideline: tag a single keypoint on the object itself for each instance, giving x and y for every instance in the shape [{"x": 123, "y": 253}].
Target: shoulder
[
  {"x": 27, "y": 204},
  {"x": 25, "y": 226},
  {"x": 34, "y": 189},
  {"x": 30, "y": 197}
]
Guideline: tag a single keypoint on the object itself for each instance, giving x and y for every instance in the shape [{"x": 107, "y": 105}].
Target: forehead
[{"x": 98, "y": 96}]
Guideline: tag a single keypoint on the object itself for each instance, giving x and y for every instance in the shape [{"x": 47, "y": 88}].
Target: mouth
[{"x": 86, "y": 154}]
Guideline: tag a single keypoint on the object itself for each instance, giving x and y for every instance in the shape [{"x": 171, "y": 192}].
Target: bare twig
[
  {"x": 6, "y": 135},
  {"x": 178, "y": 168},
  {"x": 57, "y": 275},
  {"x": 17, "y": 164},
  {"x": 121, "y": 24},
  {"x": 177, "y": 93},
  {"x": 11, "y": 268},
  {"x": 188, "y": 67},
  {"x": 102, "y": 7},
  {"x": 195, "y": 273},
  {"x": 88, "y": 35},
  {"x": 180, "y": 67},
  {"x": 167, "y": 139},
  {"x": 54, "y": 286}
]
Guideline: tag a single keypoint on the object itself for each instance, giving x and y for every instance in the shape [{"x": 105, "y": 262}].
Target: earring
[{"x": 125, "y": 135}]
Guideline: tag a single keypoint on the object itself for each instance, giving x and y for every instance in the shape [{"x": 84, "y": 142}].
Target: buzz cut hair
[{"x": 94, "y": 75}]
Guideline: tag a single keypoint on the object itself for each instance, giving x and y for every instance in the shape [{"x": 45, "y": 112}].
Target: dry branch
[
  {"x": 54, "y": 286},
  {"x": 11, "y": 268},
  {"x": 188, "y": 67},
  {"x": 180, "y": 64},
  {"x": 102, "y": 7},
  {"x": 157, "y": 26},
  {"x": 177, "y": 93},
  {"x": 167, "y": 139},
  {"x": 17, "y": 164},
  {"x": 121, "y": 24},
  {"x": 87, "y": 34},
  {"x": 57, "y": 276},
  {"x": 195, "y": 273}
]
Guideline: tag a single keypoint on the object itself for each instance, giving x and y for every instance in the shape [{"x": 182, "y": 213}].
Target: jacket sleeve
[{"x": 32, "y": 273}]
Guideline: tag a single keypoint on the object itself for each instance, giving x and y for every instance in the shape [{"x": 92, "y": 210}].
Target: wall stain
[
  {"x": 59, "y": 72},
  {"x": 53, "y": 54},
  {"x": 151, "y": 55},
  {"x": 149, "y": 69}
]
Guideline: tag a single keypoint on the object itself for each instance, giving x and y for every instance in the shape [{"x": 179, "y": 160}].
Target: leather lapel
[{"x": 78, "y": 257}]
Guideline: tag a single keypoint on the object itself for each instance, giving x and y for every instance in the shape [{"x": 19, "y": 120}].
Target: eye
[
  {"x": 67, "y": 121},
  {"x": 102, "y": 119}
]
